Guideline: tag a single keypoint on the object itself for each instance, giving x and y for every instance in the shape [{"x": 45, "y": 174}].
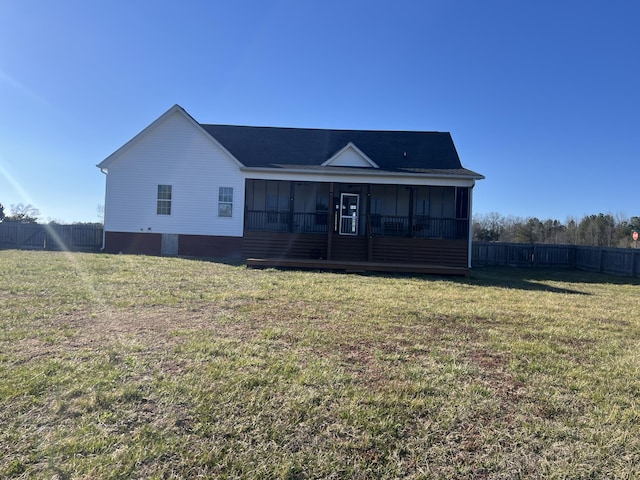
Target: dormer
[{"x": 350, "y": 156}]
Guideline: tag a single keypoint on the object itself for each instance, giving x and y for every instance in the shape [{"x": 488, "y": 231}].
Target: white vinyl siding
[
  {"x": 173, "y": 152},
  {"x": 349, "y": 157}
]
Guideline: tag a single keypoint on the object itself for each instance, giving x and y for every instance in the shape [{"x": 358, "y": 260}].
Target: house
[{"x": 344, "y": 199}]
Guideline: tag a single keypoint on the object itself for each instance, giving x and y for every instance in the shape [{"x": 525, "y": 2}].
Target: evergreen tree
[{"x": 530, "y": 232}]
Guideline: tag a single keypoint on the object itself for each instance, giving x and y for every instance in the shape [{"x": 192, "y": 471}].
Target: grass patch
[{"x": 142, "y": 367}]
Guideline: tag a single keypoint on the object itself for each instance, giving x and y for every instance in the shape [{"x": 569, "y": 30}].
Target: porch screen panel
[
  {"x": 422, "y": 201},
  {"x": 310, "y": 207},
  {"x": 444, "y": 210},
  {"x": 277, "y": 203},
  {"x": 462, "y": 202},
  {"x": 462, "y": 212},
  {"x": 402, "y": 201},
  {"x": 448, "y": 202},
  {"x": 422, "y": 224},
  {"x": 321, "y": 217}
]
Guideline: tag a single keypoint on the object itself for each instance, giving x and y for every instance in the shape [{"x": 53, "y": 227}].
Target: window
[
  {"x": 164, "y": 200},
  {"x": 225, "y": 201}
]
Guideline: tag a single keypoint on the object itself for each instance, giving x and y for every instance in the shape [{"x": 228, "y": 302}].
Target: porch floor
[{"x": 357, "y": 266}]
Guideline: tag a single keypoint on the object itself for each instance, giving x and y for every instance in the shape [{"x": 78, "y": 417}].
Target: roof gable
[
  {"x": 350, "y": 156},
  {"x": 175, "y": 110}
]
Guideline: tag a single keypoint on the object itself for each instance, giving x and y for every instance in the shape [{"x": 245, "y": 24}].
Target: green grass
[{"x": 141, "y": 367}]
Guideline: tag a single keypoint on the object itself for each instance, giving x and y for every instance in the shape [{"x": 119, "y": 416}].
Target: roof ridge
[{"x": 321, "y": 129}]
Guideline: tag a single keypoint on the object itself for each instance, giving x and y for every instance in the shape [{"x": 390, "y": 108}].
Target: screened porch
[{"x": 357, "y": 209}]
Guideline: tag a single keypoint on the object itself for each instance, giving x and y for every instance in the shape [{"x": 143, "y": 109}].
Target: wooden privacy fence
[
  {"x": 615, "y": 261},
  {"x": 33, "y": 236}
]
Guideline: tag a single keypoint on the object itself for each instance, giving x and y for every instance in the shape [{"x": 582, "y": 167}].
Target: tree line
[
  {"x": 601, "y": 230},
  {"x": 21, "y": 213}
]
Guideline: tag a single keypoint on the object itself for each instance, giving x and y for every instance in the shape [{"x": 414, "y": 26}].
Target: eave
[
  {"x": 365, "y": 172},
  {"x": 363, "y": 175}
]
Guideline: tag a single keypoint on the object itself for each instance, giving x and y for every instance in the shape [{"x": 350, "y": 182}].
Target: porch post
[
  {"x": 412, "y": 190},
  {"x": 368, "y": 226},
  {"x": 291, "y": 199},
  {"x": 330, "y": 221},
  {"x": 470, "y": 227}
]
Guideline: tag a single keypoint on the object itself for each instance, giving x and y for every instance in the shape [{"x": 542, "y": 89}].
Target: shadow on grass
[
  {"x": 521, "y": 278},
  {"x": 230, "y": 261},
  {"x": 527, "y": 279},
  {"x": 535, "y": 278}
]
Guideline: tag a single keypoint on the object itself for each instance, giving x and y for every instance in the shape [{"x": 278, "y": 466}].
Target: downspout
[{"x": 104, "y": 215}]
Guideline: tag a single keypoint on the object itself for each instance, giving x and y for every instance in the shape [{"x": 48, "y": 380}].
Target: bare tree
[
  {"x": 488, "y": 227},
  {"x": 21, "y": 213},
  {"x": 100, "y": 212}
]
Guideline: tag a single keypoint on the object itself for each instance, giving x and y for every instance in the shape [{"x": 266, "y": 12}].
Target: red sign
[{"x": 635, "y": 235}]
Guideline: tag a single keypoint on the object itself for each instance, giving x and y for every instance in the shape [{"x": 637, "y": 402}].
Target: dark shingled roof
[{"x": 417, "y": 152}]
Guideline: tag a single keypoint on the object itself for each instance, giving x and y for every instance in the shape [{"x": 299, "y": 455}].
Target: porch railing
[
  {"x": 419, "y": 226},
  {"x": 379, "y": 225},
  {"x": 286, "y": 221}
]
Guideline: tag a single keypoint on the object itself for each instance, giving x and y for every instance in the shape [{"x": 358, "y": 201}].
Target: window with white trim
[
  {"x": 225, "y": 201},
  {"x": 164, "y": 200}
]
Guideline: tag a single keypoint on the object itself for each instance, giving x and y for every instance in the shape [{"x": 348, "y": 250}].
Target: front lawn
[{"x": 144, "y": 367}]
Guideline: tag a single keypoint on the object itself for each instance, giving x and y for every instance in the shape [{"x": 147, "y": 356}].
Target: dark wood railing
[
  {"x": 418, "y": 226},
  {"x": 378, "y": 225},
  {"x": 285, "y": 221}
]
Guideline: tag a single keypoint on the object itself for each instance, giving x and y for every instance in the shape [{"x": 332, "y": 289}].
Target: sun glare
[
  {"x": 14, "y": 184},
  {"x": 20, "y": 87},
  {"x": 87, "y": 280}
]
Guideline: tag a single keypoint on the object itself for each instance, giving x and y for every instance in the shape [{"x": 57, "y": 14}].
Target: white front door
[{"x": 349, "y": 213}]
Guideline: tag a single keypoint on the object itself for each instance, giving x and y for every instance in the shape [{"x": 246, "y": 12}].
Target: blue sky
[{"x": 543, "y": 98}]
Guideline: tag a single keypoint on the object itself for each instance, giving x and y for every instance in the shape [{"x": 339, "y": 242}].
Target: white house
[{"x": 382, "y": 200}]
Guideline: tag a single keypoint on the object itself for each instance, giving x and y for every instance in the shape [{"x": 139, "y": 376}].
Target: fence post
[{"x": 600, "y": 259}]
